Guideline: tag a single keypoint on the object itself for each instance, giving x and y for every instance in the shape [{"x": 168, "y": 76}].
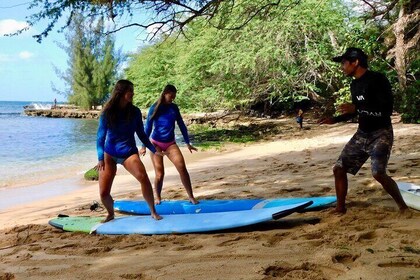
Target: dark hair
[
  {"x": 168, "y": 89},
  {"x": 111, "y": 108}
]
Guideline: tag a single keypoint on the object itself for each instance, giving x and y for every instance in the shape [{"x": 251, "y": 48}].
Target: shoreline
[
  {"x": 371, "y": 239},
  {"x": 27, "y": 191}
]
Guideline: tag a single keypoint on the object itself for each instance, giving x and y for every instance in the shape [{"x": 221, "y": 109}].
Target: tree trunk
[
  {"x": 333, "y": 39},
  {"x": 406, "y": 16},
  {"x": 400, "y": 49}
]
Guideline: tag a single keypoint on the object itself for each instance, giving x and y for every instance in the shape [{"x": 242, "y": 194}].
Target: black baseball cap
[{"x": 351, "y": 54}]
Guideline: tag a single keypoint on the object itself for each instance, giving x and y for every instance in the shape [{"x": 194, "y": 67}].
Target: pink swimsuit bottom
[{"x": 162, "y": 145}]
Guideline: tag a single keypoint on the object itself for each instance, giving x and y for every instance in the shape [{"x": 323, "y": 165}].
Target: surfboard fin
[{"x": 285, "y": 213}]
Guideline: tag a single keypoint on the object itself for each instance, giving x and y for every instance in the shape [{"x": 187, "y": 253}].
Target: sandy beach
[{"x": 372, "y": 241}]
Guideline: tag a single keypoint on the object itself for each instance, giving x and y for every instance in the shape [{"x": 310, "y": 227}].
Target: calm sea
[{"x": 37, "y": 149}]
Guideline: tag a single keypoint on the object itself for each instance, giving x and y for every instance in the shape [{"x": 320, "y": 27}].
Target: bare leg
[
  {"x": 106, "y": 177},
  {"x": 341, "y": 187},
  {"x": 159, "y": 175},
  {"x": 136, "y": 168},
  {"x": 176, "y": 157},
  {"x": 392, "y": 189}
]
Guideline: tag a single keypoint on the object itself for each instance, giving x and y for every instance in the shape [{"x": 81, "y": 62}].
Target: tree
[
  {"x": 273, "y": 61},
  {"x": 399, "y": 30},
  {"x": 402, "y": 17},
  {"x": 93, "y": 63},
  {"x": 175, "y": 17},
  {"x": 167, "y": 15}
]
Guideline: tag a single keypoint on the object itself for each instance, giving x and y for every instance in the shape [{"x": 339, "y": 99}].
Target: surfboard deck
[
  {"x": 411, "y": 194},
  {"x": 140, "y": 207},
  {"x": 76, "y": 224},
  {"x": 176, "y": 224}
]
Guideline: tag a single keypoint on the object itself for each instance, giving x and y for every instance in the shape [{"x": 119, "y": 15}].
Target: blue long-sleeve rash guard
[
  {"x": 163, "y": 123},
  {"x": 118, "y": 140}
]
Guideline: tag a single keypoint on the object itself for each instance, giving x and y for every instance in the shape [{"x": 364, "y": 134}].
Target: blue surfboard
[
  {"x": 140, "y": 207},
  {"x": 183, "y": 223}
]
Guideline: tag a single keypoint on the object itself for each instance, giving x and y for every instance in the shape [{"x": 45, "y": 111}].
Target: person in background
[
  {"x": 118, "y": 123},
  {"x": 161, "y": 119},
  {"x": 299, "y": 118},
  {"x": 372, "y": 102}
]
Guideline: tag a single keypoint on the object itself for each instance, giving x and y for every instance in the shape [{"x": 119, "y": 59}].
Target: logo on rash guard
[
  {"x": 360, "y": 97},
  {"x": 367, "y": 113}
]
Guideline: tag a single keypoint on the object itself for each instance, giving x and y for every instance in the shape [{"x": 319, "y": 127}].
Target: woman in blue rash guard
[
  {"x": 116, "y": 144},
  {"x": 161, "y": 118}
]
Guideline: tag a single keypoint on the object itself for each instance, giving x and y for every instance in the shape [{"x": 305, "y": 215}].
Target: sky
[{"x": 27, "y": 68}]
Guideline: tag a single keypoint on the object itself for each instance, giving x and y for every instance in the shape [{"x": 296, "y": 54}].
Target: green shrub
[{"x": 411, "y": 104}]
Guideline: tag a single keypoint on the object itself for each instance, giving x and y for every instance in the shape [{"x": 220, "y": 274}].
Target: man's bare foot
[
  {"x": 338, "y": 211},
  {"x": 405, "y": 213},
  {"x": 194, "y": 201},
  {"x": 108, "y": 218},
  {"x": 403, "y": 208},
  {"x": 156, "y": 216}
]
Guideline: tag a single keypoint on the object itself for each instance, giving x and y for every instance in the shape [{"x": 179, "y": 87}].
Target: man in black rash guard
[{"x": 372, "y": 102}]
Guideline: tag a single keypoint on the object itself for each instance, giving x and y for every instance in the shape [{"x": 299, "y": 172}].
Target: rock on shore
[{"x": 63, "y": 112}]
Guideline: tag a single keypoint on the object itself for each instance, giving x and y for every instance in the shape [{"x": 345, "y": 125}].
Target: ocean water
[{"x": 38, "y": 149}]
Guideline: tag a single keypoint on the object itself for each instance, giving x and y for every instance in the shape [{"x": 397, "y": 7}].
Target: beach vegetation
[
  {"x": 411, "y": 102},
  {"x": 215, "y": 132},
  {"x": 262, "y": 54},
  {"x": 92, "y": 65},
  {"x": 207, "y": 136},
  {"x": 274, "y": 61},
  {"x": 92, "y": 174},
  {"x": 271, "y": 63}
]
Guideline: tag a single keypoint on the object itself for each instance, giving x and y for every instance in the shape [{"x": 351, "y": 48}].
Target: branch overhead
[{"x": 171, "y": 15}]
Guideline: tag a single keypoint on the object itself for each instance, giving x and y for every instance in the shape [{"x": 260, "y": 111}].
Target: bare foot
[
  {"x": 156, "y": 216},
  {"x": 405, "y": 213},
  {"x": 108, "y": 218},
  {"x": 338, "y": 211},
  {"x": 158, "y": 200},
  {"x": 194, "y": 201}
]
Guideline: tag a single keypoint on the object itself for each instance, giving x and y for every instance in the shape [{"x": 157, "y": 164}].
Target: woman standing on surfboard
[
  {"x": 119, "y": 120},
  {"x": 162, "y": 117}
]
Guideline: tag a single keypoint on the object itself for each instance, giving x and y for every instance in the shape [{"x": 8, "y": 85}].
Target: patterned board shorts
[{"x": 377, "y": 145}]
